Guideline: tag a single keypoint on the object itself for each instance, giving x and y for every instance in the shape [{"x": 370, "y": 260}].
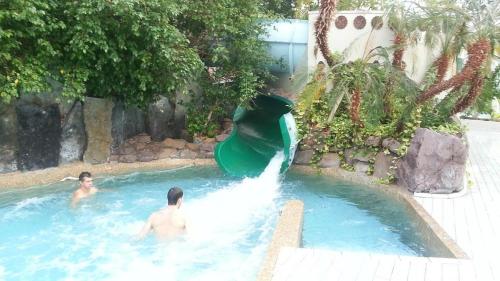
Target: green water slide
[{"x": 257, "y": 135}]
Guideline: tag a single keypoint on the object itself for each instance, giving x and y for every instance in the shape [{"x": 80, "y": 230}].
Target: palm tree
[
  {"x": 322, "y": 26},
  {"x": 402, "y": 22},
  {"x": 484, "y": 18}
]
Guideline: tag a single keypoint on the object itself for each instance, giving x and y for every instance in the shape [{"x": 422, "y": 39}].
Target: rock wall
[
  {"x": 434, "y": 163},
  {"x": 97, "y": 115},
  {"x": 8, "y": 138},
  {"x": 73, "y": 135},
  {"x": 38, "y": 136},
  {"x": 160, "y": 120},
  {"x": 126, "y": 122}
]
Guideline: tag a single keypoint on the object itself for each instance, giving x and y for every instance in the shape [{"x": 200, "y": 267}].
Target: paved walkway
[{"x": 472, "y": 220}]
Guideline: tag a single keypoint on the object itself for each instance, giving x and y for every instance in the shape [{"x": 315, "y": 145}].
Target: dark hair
[
  {"x": 84, "y": 175},
  {"x": 173, "y": 195}
]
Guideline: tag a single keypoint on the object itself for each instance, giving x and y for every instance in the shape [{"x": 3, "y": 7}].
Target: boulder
[
  {"x": 193, "y": 146},
  {"x": 38, "y": 135},
  {"x": 207, "y": 150},
  {"x": 382, "y": 165},
  {"x": 168, "y": 153},
  {"x": 373, "y": 141},
  {"x": 329, "y": 160},
  {"x": 227, "y": 124},
  {"x": 188, "y": 154},
  {"x": 303, "y": 157},
  {"x": 361, "y": 167},
  {"x": 146, "y": 155},
  {"x": 391, "y": 144},
  {"x": 221, "y": 137},
  {"x": 73, "y": 136},
  {"x": 434, "y": 163},
  {"x": 362, "y": 155},
  {"x": 174, "y": 143},
  {"x": 97, "y": 115},
  {"x": 127, "y": 121},
  {"x": 160, "y": 121},
  {"x": 130, "y": 158}
]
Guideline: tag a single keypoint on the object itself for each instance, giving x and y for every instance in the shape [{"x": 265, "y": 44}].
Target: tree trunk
[
  {"x": 442, "y": 67},
  {"x": 397, "y": 59},
  {"x": 474, "y": 92},
  {"x": 355, "y": 107},
  {"x": 477, "y": 53},
  {"x": 322, "y": 26}
]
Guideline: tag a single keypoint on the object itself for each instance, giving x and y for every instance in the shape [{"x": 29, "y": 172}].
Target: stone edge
[
  {"x": 399, "y": 192},
  {"x": 51, "y": 175},
  {"x": 288, "y": 233}
]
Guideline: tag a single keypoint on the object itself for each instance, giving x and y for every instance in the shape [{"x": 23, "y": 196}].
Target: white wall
[{"x": 356, "y": 43}]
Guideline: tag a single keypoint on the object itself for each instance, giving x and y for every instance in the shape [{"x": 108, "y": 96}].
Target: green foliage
[
  {"x": 129, "y": 50},
  {"x": 226, "y": 36},
  {"x": 25, "y": 48},
  {"x": 491, "y": 90},
  {"x": 360, "y": 4}
]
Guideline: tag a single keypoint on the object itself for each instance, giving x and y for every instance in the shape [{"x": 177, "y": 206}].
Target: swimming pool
[{"x": 231, "y": 222}]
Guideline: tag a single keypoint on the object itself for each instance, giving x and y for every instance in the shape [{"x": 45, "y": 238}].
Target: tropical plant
[
  {"x": 26, "y": 53},
  {"x": 227, "y": 37},
  {"x": 403, "y": 22},
  {"x": 322, "y": 26}
]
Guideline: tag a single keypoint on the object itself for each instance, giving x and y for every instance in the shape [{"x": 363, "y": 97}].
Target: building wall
[{"x": 356, "y": 43}]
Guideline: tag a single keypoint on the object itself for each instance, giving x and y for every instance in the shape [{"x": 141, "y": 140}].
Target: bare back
[{"x": 168, "y": 223}]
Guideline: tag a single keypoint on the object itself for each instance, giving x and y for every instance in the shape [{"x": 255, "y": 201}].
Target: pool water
[{"x": 230, "y": 225}]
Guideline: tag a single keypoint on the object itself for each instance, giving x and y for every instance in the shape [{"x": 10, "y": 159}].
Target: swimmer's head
[{"x": 174, "y": 194}]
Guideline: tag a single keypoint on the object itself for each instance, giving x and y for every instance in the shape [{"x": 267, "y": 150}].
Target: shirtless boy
[
  {"x": 86, "y": 188},
  {"x": 169, "y": 222}
]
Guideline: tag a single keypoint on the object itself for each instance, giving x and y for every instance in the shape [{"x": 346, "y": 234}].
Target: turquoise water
[{"x": 230, "y": 223}]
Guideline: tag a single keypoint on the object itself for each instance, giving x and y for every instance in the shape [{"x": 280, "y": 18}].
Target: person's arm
[
  {"x": 75, "y": 199},
  {"x": 145, "y": 229}
]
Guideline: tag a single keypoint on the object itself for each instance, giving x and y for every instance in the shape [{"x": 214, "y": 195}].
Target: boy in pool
[
  {"x": 86, "y": 188},
  {"x": 169, "y": 222}
]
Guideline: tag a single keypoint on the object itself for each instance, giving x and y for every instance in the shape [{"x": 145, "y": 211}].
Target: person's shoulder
[{"x": 78, "y": 192}]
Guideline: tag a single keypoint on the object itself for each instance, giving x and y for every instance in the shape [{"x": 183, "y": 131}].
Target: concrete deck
[{"x": 472, "y": 221}]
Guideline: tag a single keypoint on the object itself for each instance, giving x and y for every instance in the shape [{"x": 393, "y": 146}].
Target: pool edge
[
  {"x": 434, "y": 228},
  {"x": 51, "y": 175}
]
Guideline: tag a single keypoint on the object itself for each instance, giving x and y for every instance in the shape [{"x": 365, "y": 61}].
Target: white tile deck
[{"x": 472, "y": 220}]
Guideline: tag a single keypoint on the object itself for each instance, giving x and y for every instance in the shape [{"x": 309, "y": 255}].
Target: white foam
[
  {"x": 218, "y": 224},
  {"x": 231, "y": 210},
  {"x": 221, "y": 224},
  {"x": 25, "y": 207}
]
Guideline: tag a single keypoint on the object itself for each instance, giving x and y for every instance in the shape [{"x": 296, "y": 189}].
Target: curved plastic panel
[{"x": 257, "y": 135}]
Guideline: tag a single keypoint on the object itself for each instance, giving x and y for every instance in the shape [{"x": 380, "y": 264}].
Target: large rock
[
  {"x": 8, "y": 138},
  {"x": 382, "y": 166},
  {"x": 303, "y": 157},
  {"x": 174, "y": 143},
  {"x": 330, "y": 160},
  {"x": 160, "y": 119},
  {"x": 391, "y": 144},
  {"x": 127, "y": 121},
  {"x": 434, "y": 163},
  {"x": 73, "y": 137},
  {"x": 38, "y": 134},
  {"x": 97, "y": 115}
]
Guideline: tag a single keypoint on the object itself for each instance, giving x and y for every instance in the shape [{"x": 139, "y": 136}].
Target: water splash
[
  {"x": 232, "y": 209},
  {"x": 228, "y": 228}
]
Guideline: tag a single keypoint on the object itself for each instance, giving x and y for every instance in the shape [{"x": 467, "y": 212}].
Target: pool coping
[
  {"x": 399, "y": 192},
  {"x": 20, "y": 179},
  {"x": 293, "y": 219}
]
